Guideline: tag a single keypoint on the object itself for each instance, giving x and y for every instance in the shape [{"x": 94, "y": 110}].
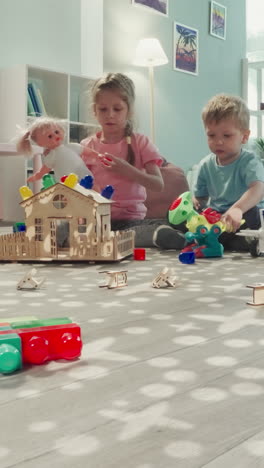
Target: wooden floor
[{"x": 170, "y": 378}]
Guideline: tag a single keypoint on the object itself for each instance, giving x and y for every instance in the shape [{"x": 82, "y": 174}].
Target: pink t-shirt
[{"x": 129, "y": 196}]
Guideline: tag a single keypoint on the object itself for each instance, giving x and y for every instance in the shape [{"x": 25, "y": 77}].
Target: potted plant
[{"x": 260, "y": 147}]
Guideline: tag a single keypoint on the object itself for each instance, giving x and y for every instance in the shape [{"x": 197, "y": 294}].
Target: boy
[{"x": 230, "y": 179}]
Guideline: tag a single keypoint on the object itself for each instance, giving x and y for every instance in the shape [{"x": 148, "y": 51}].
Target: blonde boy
[{"x": 230, "y": 179}]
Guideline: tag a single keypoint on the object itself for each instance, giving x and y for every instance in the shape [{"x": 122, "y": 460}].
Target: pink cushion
[{"x": 175, "y": 183}]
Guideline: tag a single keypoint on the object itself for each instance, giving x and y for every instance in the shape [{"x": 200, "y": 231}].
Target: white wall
[
  {"x": 255, "y": 29},
  {"x": 64, "y": 35}
]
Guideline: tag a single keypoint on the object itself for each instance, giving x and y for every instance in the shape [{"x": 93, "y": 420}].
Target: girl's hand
[
  {"x": 114, "y": 164},
  {"x": 232, "y": 219},
  {"x": 89, "y": 156}
]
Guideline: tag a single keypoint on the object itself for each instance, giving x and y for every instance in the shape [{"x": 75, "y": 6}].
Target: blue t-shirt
[{"x": 224, "y": 185}]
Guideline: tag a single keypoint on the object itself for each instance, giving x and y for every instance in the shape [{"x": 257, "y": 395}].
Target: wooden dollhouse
[{"x": 83, "y": 214}]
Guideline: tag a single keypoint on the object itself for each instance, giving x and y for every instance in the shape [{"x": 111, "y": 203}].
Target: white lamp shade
[{"x": 149, "y": 53}]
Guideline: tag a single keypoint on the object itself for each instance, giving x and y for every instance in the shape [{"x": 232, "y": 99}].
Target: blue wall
[{"x": 179, "y": 97}]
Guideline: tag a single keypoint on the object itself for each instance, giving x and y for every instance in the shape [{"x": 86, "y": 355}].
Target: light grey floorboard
[{"x": 167, "y": 378}]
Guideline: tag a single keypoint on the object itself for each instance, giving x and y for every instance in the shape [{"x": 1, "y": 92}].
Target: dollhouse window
[
  {"x": 38, "y": 229},
  {"x": 59, "y": 201},
  {"x": 82, "y": 225}
]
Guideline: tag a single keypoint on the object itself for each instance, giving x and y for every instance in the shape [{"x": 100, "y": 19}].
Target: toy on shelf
[
  {"x": 29, "y": 282},
  {"x": 203, "y": 228},
  {"x": 81, "y": 213},
  {"x": 115, "y": 279},
  {"x": 165, "y": 278},
  {"x": 258, "y": 294},
  {"x": 256, "y": 247},
  {"x": 49, "y": 133},
  {"x": 38, "y": 342}
]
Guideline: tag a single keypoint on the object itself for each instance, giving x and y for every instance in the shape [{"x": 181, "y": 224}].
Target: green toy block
[
  {"x": 17, "y": 319},
  {"x": 41, "y": 323},
  {"x": 10, "y": 353},
  {"x": 5, "y": 327}
]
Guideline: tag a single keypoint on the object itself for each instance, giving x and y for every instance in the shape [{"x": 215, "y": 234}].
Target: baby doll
[{"x": 63, "y": 159}]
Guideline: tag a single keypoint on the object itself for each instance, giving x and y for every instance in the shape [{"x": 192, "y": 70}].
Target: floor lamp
[{"x": 149, "y": 53}]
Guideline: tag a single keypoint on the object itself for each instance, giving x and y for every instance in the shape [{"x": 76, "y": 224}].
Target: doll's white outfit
[{"x": 65, "y": 160}]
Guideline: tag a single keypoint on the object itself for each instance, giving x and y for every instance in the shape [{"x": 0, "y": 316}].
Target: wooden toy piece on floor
[
  {"x": 29, "y": 282},
  {"x": 165, "y": 279},
  {"x": 115, "y": 279},
  {"x": 256, "y": 247},
  {"x": 66, "y": 221},
  {"x": 258, "y": 294}
]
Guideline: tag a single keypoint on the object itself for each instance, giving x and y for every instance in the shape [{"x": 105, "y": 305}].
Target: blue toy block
[
  {"x": 107, "y": 192},
  {"x": 19, "y": 227},
  {"x": 87, "y": 182},
  {"x": 187, "y": 257}
]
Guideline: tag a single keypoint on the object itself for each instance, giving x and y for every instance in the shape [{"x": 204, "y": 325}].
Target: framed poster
[
  {"x": 185, "y": 48},
  {"x": 155, "y": 6},
  {"x": 218, "y": 20}
]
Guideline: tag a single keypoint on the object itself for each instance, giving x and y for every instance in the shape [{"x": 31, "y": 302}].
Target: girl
[{"x": 126, "y": 160}]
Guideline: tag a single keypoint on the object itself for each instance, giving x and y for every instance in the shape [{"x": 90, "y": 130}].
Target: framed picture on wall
[
  {"x": 156, "y": 6},
  {"x": 218, "y": 20},
  {"x": 185, "y": 50}
]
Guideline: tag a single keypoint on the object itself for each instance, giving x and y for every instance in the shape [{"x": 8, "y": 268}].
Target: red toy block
[
  {"x": 139, "y": 254},
  {"x": 44, "y": 344}
]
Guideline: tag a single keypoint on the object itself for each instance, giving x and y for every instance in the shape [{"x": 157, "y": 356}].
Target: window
[
  {"x": 82, "y": 225},
  {"x": 38, "y": 229},
  {"x": 59, "y": 201}
]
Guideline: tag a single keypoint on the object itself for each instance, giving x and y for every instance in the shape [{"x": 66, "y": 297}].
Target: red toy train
[{"x": 38, "y": 341}]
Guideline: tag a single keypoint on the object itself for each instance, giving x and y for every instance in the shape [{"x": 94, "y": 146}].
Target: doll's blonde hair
[
  {"x": 24, "y": 141},
  {"x": 225, "y": 106},
  {"x": 123, "y": 85}
]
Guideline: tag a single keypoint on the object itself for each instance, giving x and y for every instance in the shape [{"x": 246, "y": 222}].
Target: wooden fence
[
  {"x": 124, "y": 243},
  {"x": 17, "y": 247}
]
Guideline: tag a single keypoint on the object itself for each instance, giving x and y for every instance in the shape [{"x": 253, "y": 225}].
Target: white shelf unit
[
  {"x": 65, "y": 97},
  {"x": 253, "y": 93}
]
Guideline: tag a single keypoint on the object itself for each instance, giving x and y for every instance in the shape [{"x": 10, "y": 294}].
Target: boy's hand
[
  {"x": 232, "y": 219},
  {"x": 199, "y": 202},
  {"x": 196, "y": 203}
]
